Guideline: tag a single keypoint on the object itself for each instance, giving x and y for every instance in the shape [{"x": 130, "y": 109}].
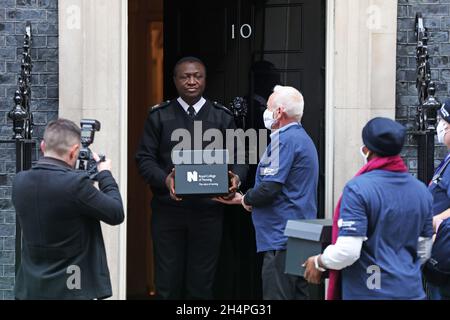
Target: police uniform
[
  {"x": 186, "y": 234},
  {"x": 440, "y": 189}
]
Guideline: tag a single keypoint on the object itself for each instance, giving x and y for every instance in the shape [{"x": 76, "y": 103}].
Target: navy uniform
[
  {"x": 290, "y": 169},
  {"x": 400, "y": 213},
  {"x": 440, "y": 189},
  {"x": 186, "y": 234},
  {"x": 390, "y": 209}
]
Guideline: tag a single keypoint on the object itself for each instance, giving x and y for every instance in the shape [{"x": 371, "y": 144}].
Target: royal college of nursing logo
[{"x": 192, "y": 176}]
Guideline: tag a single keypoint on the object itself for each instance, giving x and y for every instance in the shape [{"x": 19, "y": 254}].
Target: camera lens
[{"x": 84, "y": 155}]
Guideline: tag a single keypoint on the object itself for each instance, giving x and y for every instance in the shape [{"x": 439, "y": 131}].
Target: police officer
[
  {"x": 440, "y": 189},
  {"x": 186, "y": 232},
  {"x": 384, "y": 225}
]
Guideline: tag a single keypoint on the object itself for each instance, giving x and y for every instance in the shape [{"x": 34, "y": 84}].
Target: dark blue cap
[
  {"x": 444, "y": 112},
  {"x": 384, "y": 136}
]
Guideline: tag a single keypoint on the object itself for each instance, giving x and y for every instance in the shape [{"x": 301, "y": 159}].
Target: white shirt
[
  {"x": 197, "y": 107},
  {"x": 278, "y": 131},
  {"x": 343, "y": 254},
  {"x": 347, "y": 251}
]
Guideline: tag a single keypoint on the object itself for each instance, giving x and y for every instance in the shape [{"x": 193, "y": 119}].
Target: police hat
[
  {"x": 384, "y": 136},
  {"x": 444, "y": 112}
]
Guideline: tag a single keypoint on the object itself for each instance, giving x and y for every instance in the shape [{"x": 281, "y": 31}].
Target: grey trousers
[{"x": 277, "y": 285}]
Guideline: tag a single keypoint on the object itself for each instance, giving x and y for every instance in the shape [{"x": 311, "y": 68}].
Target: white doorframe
[
  {"x": 124, "y": 155},
  {"x": 93, "y": 78},
  {"x": 329, "y": 111}
]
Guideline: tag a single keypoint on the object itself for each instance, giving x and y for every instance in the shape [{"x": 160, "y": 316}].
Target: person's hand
[
  {"x": 102, "y": 165},
  {"x": 234, "y": 201},
  {"x": 436, "y": 223},
  {"x": 312, "y": 275},
  {"x": 234, "y": 186},
  {"x": 170, "y": 184},
  {"x": 246, "y": 207}
]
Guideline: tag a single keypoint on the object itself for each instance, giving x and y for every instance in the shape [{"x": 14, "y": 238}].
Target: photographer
[{"x": 59, "y": 210}]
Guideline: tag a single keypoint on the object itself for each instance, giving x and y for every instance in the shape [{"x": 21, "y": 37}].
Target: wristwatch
[{"x": 316, "y": 264}]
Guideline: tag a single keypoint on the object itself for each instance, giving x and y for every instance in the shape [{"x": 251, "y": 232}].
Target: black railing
[
  {"x": 426, "y": 117},
  {"x": 22, "y": 118},
  {"x": 21, "y": 114}
]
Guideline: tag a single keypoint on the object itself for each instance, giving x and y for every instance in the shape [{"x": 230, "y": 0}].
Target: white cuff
[
  {"x": 343, "y": 254},
  {"x": 424, "y": 247}
]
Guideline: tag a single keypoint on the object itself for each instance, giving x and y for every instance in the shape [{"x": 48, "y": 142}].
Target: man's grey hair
[
  {"x": 61, "y": 135},
  {"x": 291, "y": 100}
]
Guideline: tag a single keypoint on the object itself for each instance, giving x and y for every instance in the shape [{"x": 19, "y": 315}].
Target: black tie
[{"x": 191, "y": 112}]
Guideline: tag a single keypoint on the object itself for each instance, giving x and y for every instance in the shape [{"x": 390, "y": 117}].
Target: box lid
[{"x": 313, "y": 230}]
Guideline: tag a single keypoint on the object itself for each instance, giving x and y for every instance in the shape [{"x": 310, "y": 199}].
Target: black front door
[{"x": 249, "y": 46}]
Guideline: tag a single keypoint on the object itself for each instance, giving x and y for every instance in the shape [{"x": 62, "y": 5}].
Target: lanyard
[{"x": 440, "y": 170}]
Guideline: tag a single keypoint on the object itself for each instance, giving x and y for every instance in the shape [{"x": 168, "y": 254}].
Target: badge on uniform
[{"x": 268, "y": 171}]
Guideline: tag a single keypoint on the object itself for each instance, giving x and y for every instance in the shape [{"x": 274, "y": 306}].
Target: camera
[{"x": 86, "y": 161}]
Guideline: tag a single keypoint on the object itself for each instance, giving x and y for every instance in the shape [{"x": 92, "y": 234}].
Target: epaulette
[
  {"x": 159, "y": 106},
  {"x": 222, "y": 107}
]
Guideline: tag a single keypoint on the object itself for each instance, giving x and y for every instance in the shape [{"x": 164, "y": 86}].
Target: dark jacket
[
  {"x": 63, "y": 253},
  {"x": 155, "y": 151}
]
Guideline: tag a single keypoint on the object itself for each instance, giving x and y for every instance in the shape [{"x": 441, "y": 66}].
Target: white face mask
[
  {"x": 269, "y": 121},
  {"x": 441, "y": 131},
  {"x": 364, "y": 155}
]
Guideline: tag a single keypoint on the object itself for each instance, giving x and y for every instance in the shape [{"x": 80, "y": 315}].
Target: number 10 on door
[{"x": 245, "y": 31}]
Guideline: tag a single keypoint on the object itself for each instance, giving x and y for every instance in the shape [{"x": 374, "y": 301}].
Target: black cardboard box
[{"x": 201, "y": 173}]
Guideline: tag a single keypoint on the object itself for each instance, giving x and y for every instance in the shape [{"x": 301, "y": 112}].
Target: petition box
[
  {"x": 306, "y": 238},
  {"x": 201, "y": 173}
]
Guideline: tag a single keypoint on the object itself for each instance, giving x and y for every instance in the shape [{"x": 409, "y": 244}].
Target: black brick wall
[
  {"x": 436, "y": 15},
  {"x": 43, "y": 15}
]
